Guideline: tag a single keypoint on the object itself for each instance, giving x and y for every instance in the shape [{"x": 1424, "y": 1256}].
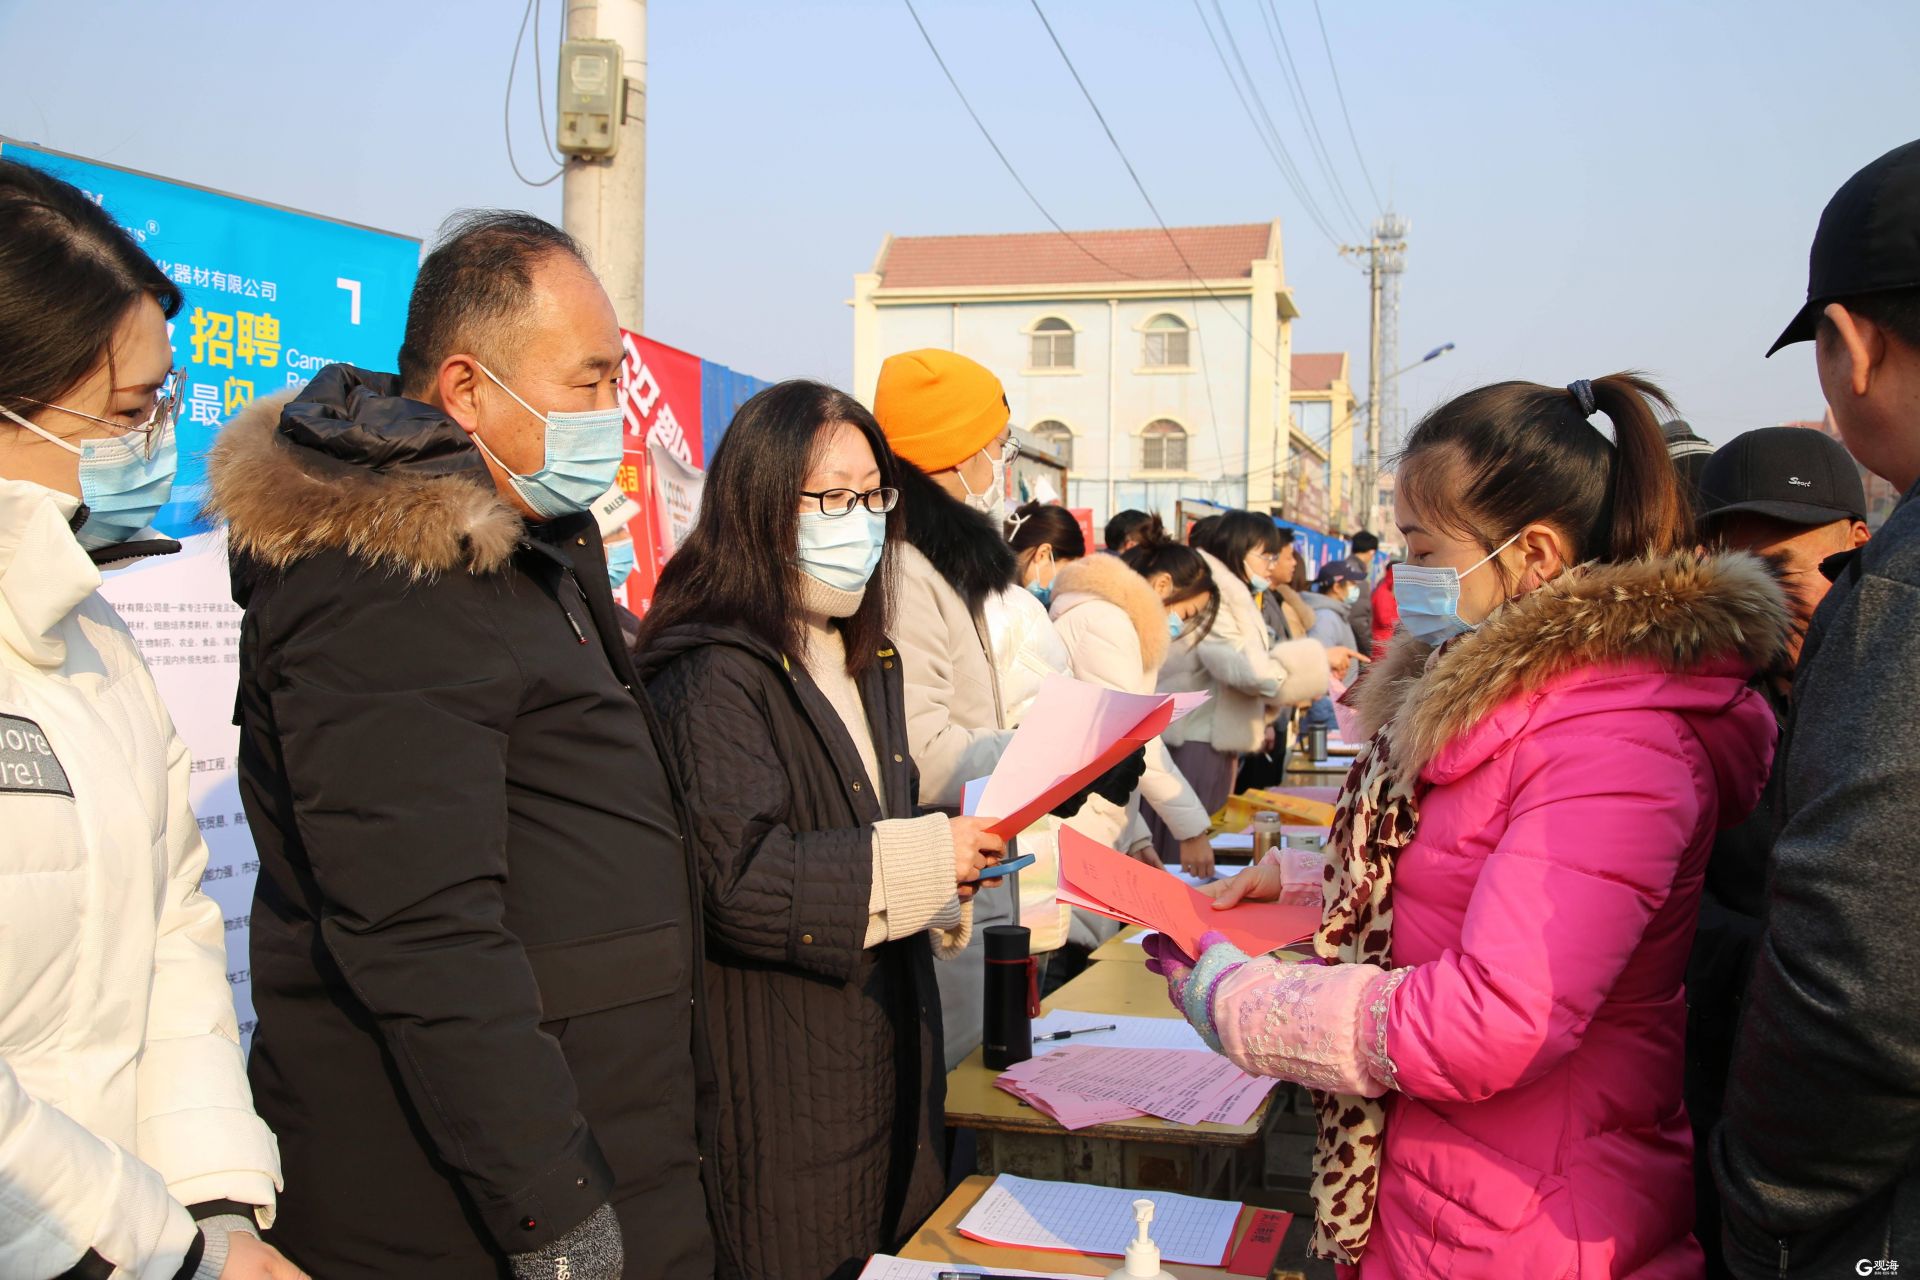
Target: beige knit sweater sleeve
[{"x": 913, "y": 885}]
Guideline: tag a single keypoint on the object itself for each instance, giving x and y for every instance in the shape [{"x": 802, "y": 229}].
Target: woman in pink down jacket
[{"x": 1493, "y": 1020}]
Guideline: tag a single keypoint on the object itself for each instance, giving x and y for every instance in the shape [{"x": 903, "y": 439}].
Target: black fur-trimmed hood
[{"x": 962, "y": 544}]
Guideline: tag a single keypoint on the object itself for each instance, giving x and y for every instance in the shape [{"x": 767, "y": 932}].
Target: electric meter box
[{"x": 592, "y": 90}]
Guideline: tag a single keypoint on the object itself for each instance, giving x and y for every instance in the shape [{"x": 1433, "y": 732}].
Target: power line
[
  {"x": 1269, "y": 136},
  {"x": 1342, "y": 95},
  {"x": 1303, "y": 106},
  {"x": 1054, "y": 222},
  {"x": 1206, "y": 376},
  {"x": 506, "y": 109},
  {"x": 539, "y": 88},
  {"x": 1006, "y": 163}
]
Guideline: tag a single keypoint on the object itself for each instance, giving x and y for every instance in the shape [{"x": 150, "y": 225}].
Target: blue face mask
[
  {"x": 841, "y": 551},
  {"x": 1429, "y": 598},
  {"x": 621, "y": 559},
  {"x": 583, "y": 453},
  {"x": 124, "y": 480},
  {"x": 1174, "y": 624},
  {"x": 1041, "y": 592}
]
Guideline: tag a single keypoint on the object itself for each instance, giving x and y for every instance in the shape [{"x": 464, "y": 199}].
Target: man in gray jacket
[{"x": 1818, "y": 1159}]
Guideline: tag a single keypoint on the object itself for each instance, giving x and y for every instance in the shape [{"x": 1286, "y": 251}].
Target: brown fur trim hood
[
  {"x": 1108, "y": 578},
  {"x": 377, "y": 476},
  {"x": 1677, "y": 611}
]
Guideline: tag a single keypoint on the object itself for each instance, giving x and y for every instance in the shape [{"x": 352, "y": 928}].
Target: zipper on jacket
[
  {"x": 573, "y": 622},
  {"x": 1783, "y": 1260}
]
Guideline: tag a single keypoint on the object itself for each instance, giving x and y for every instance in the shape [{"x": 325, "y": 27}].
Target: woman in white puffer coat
[
  {"x": 1251, "y": 677},
  {"x": 128, "y": 1141},
  {"x": 1115, "y": 613}
]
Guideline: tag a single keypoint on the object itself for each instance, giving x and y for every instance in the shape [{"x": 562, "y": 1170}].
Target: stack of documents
[
  {"x": 1081, "y": 1085},
  {"x": 1073, "y": 733}
]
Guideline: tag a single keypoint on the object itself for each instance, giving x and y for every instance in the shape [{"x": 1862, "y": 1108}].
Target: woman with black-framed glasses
[
  {"x": 128, "y": 1139},
  {"x": 825, "y": 893}
]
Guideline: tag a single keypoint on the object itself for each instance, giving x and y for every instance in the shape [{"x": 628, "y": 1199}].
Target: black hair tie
[{"x": 1583, "y": 396}]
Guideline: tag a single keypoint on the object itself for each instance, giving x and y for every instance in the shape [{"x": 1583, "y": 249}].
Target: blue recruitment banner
[
  {"x": 272, "y": 296},
  {"x": 722, "y": 392},
  {"x": 1317, "y": 549}
]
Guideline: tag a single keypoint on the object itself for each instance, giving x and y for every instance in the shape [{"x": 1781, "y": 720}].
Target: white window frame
[
  {"x": 1149, "y": 437},
  {"x": 1152, "y": 329},
  {"x": 1053, "y": 328},
  {"x": 1057, "y": 445}
]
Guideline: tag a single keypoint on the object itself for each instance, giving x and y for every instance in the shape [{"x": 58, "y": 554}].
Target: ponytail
[
  {"x": 1488, "y": 463},
  {"x": 1034, "y": 523},
  {"x": 1645, "y": 514},
  {"x": 1183, "y": 565}
]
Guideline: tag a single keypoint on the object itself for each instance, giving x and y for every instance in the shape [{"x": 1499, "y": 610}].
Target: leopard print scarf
[{"x": 1373, "y": 820}]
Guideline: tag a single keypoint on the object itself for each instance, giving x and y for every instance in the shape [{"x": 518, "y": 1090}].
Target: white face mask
[
  {"x": 841, "y": 551},
  {"x": 1429, "y": 597},
  {"x": 994, "y": 501}
]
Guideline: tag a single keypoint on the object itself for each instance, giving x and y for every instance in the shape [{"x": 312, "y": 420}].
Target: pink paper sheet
[
  {"x": 1113, "y": 885},
  {"x": 1073, "y": 733},
  {"x": 1182, "y": 1085},
  {"x": 1069, "y": 1110},
  {"x": 1238, "y": 1104}
]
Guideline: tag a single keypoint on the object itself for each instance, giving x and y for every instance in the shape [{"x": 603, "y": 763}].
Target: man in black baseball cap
[
  {"x": 1818, "y": 1157},
  {"x": 1793, "y": 495}
]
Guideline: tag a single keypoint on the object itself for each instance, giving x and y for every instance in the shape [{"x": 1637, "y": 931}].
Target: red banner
[
  {"x": 1084, "y": 517},
  {"x": 662, "y": 404}
]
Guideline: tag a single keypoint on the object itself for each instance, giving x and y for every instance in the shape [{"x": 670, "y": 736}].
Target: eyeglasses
[
  {"x": 838, "y": 502},
  {"x": 167, "y": 399}
]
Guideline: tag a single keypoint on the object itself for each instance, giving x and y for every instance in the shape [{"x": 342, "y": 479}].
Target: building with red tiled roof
[{"x": 1154, "y": 363}]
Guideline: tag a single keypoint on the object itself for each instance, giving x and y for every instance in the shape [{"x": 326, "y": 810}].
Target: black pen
[
  {"x": 1077, "y": 1031},
  {"x": 975, "y": 1275}
]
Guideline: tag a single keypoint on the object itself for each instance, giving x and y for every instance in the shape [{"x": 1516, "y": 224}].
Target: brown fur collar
[
  {"x": 282, "y": 502},
  {"x": 1678, "y": 611},
  {"x": 1109, "y": 578}
]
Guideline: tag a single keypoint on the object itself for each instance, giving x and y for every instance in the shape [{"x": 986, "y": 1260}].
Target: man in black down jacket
[
  {"x": 474, "y": 940},
  {"x": 1793, "y": 497},
  {"x": 1818, "y": 1159}
]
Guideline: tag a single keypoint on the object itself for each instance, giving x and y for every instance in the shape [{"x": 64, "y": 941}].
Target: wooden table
[
  {"x": 938, "y": 1241},
  {"x": 1304, "y": 771},
  {"x": 1118, "y": 948},
  {"x": 1148, "y": 1153}
]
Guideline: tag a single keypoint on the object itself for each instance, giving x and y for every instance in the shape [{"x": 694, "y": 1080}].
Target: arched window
[
  {"x": 1166, "y": 337},
  {"x": 1052, "y": 347},
  {"x": 1163, "y": 446},
  {"x": 1057, "y": 437}
]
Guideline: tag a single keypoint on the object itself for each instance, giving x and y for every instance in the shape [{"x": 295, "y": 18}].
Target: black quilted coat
[{"x": 827, "y": 1054}]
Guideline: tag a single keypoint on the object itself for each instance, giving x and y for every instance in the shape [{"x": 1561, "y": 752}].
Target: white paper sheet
[
  {"x": 1031, "y": 1214},
  {"x": 1131, "y": 1032}
]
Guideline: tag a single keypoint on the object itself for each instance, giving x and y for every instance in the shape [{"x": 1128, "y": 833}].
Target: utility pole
[
  {"x": 1386, "y": 259},
  {"x": 603, "y": 196}
]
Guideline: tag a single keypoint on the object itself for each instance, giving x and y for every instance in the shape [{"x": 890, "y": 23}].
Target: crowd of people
[{"x": 587, "y": 945}]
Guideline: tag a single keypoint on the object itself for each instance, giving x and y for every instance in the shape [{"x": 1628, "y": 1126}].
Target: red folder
[{"x": 1111, "y": 884}]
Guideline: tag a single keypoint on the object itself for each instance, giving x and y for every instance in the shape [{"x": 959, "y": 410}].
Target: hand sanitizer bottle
[{"x": 1143, "y": 1255}]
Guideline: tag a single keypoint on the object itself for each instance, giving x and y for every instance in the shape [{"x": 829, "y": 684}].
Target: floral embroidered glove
[
  {"x": 1317, "y": 1024},
  {"x": 1189, "y": 983}
]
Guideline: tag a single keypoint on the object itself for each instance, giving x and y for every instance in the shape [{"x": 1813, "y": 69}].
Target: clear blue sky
[{"x": 1592, "y": 187}]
